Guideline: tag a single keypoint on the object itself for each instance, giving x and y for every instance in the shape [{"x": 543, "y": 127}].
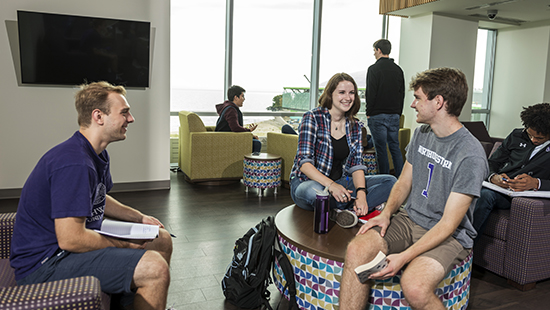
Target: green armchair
[
  {"x": 284, "y": 145},
  {"x": 208, "y": 156}
]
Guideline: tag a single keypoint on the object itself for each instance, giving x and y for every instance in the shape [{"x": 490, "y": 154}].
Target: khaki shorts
[{"x": 403, "y": 232}]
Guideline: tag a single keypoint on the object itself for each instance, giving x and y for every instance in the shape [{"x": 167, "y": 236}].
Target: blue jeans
[
  {"x": 378, "y": 187},
  {"x": 256, "y": 146},
  {"x": 384, "y": 129},
  {"x": 487, "y": 201},
  {"x": 288, "y": 129}
]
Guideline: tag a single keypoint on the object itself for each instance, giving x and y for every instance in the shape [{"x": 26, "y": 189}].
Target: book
[
  {"x": 128, "y": 230},
  {"x": 378, "y": 263},
  {"x": 511, "y": 193}
]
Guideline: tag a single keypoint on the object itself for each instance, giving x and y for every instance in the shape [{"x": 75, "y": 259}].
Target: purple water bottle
[{"x": 321, "y": 211}]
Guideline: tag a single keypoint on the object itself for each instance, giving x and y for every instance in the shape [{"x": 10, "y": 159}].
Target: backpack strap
[
  {"x": 288, "y": 272},
  {"x": 221, "y": 118}
]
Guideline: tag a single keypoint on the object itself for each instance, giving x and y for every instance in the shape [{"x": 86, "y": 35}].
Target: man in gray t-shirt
[{"x": 441, "y": 181}]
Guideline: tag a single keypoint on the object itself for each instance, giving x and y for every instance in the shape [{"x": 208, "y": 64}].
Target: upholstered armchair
[
  {"x": 75, "y": 293},
  {"x": 284, "y": 145},
  {"x": 210, "y": 156},
  {"x": 516, "y": 242}
]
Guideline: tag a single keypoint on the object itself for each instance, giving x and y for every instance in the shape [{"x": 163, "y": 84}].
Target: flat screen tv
[{"x": 70, "y": 50}]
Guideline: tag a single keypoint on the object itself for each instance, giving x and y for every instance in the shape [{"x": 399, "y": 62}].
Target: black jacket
[
  {"x": 385, "y": 88},
  {"x": 512, "y": 158}
]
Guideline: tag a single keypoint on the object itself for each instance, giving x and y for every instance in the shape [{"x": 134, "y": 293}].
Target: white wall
[
  {"x": 35, "y": 118},
  {"x": 432, "y": 41},
  {"x": 522, "y": 71}
]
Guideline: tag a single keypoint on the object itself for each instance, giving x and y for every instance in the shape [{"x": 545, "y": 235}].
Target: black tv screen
[{"x": 70, "y": 50}]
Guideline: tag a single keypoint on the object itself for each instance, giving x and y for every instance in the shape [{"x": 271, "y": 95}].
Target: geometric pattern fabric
[
  {"x": 262, "y": 173},
  {"x": 318, "y": 283}
]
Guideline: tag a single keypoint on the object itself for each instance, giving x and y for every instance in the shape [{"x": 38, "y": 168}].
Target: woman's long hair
[{"x": 325, "y": 100}]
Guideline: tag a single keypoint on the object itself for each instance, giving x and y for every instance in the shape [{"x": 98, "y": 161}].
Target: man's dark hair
[
  {"x": 233, "y": 91},
  {"x": 450, "y": 83},
  {"x": 384, "y": 46},
  {"x": 537, "y": 117}
]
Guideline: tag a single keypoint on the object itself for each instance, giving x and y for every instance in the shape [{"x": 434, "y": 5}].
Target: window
[
  {"x": 197, "y": 40},
  {"x": 483, "y": 75}
]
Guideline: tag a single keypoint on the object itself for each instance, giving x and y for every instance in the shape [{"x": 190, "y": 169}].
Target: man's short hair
[
  {"x": 384, "y": 46},
  {"x": 233, "y": 91},
  {"x": 537, "y": 117},
  {"x": 450, "y": 83},
  {"x": 94, "y": 96}
]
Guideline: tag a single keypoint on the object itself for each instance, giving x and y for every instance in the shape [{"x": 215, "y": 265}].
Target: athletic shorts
[
  {"x": 114, "y": 267},
  {"x": 403, "y": 232}
]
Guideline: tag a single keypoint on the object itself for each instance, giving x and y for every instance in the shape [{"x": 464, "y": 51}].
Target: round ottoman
[
  {"x": 262, "y": 171},
  {"x": 318, "y": 283}
]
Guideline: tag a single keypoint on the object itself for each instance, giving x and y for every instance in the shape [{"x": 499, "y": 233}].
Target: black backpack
[{"x": 248, "y": 275}]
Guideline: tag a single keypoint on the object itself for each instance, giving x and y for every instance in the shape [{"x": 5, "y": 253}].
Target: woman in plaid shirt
[{"x": 329, "y": 153}]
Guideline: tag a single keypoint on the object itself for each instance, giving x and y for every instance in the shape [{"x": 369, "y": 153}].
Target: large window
[
  {"x": 483, "y": 75},
  {"x": 271, "y": 54},
  {"x": 197, "y": 48}
]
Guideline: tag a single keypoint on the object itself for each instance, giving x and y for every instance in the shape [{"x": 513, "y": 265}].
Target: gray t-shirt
[{"x": 456, "y": 163}]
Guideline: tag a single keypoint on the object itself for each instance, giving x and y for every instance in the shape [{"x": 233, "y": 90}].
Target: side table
[{"x": 262, "y": 171}]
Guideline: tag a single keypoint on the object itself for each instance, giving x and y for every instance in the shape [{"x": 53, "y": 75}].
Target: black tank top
[{"x": 340, "y": 153}]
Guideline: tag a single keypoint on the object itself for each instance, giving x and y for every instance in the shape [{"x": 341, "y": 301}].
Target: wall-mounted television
[{"x": 70, "y": 50}]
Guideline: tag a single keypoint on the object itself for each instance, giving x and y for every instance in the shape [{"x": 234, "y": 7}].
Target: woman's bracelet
[
  {"x": 361, "y": 189},
  {"x": 329, "y": 186}
]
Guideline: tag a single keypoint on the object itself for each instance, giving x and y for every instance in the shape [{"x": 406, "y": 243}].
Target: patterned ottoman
[
  {"x": 369, "y": 160},
  {"x": 318, "y": 283},
  {"x": 262, "y": 171}
]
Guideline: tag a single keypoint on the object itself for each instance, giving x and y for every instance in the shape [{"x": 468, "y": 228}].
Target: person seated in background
[
  {"x": 440, "y": 181},
  {"x": 521, "y": 163},
  {"x": 231, "y": 118},
  {"x": 329, "y": 155}
]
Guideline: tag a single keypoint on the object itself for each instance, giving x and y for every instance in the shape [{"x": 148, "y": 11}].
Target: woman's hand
[
  {"x": 340, "y": 193},
  {"x": 361, "y": 207}
]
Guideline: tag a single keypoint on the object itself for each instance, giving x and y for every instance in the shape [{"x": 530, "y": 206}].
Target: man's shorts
[
  {"x": 403, "y": 232},
  {"x": 114, "y": 267}
]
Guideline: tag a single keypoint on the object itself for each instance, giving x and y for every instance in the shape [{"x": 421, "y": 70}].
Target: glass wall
[
  {"x": 271, "y": 56},
  {"x": 271, "y": 53},
  {"x": 197, "y": 41},
  {"x": 483, "y": 75}
]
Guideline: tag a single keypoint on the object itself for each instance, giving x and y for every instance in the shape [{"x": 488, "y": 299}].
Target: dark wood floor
[{"x": 208, "y": 219}]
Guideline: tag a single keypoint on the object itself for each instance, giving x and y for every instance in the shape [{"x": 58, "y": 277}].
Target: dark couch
[{"x": 74, "y": 293}]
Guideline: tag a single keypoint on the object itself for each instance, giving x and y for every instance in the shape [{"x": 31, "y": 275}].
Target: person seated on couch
[
  {"x": 65, "y": 199},
  {"x": 329, "y": 155},
  {"x": 522, "y": 162},
  {"x": 231, "y": 117}
]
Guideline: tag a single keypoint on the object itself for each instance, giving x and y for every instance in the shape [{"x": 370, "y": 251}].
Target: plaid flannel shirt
[{"x": 315, "y": 145}]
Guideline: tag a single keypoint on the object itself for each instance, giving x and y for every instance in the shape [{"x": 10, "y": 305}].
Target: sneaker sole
[{"x": 346, "y": 219}]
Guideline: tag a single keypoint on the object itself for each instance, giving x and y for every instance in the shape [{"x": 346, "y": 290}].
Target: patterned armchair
[
  {"x": 206, "y": 155},
  {"x": 75, "y": 293},
  {"x": 515, "y": 243}
]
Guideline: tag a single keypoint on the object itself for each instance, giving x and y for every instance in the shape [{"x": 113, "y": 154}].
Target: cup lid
[{"x": 321, "y": 193}]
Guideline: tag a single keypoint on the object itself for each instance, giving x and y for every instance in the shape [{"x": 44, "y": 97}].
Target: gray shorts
[
  {"x": 114, "y": 267},
  {"x": 403, "y": 232}
]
